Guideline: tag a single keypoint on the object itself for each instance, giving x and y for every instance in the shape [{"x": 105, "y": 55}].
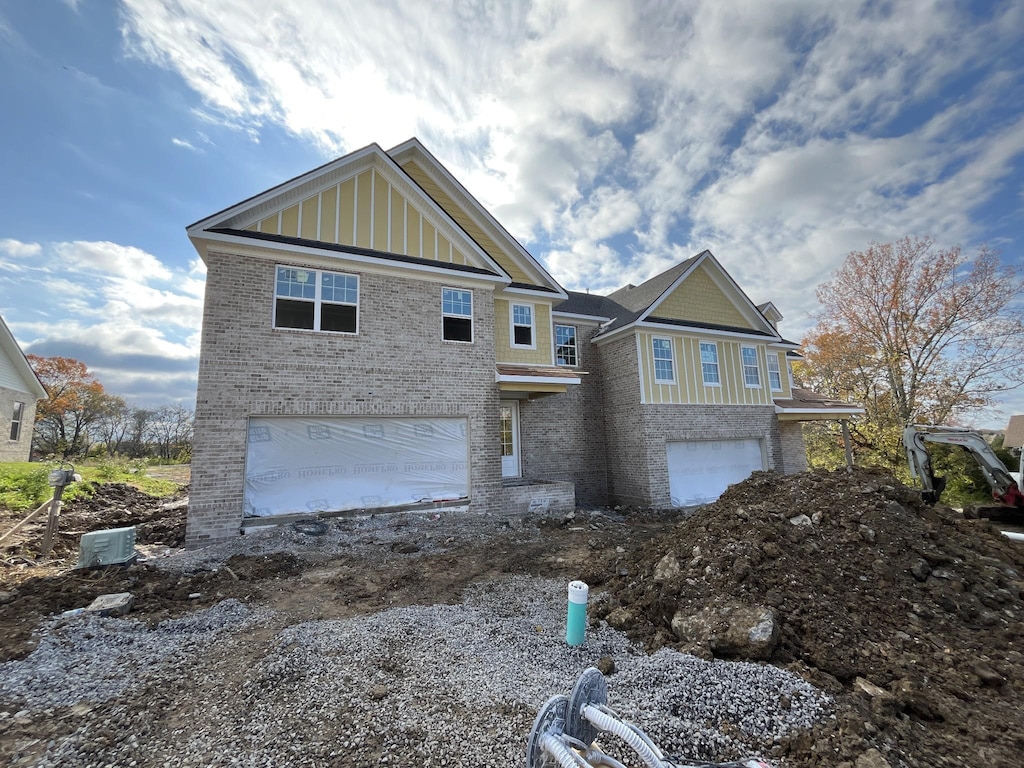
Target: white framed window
[
  {"x": 565, "y": 345},
  {"x": 664, "y": 368},
  {"x": 312, "y": 300},
  {"x": 751, "y": 370},
  {"x": 457, "y": 315},
  {"x": 774, "y": 373},
  {"x": 522, "y": 333},
  {"x": 709, "y": 363},
  {"x": 16, "y": 419}
]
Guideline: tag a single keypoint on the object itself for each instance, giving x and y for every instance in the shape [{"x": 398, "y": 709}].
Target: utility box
[{"x": 111, "y": 547}]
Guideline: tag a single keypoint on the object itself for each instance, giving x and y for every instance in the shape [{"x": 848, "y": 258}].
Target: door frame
[{"x": 512, "y": 465}]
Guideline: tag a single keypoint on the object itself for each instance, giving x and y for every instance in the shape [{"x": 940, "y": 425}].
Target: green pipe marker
[{"x": 576, "y": 617}]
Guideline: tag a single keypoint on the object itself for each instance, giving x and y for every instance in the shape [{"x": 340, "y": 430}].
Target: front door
[{"x": 509, "y": 438}]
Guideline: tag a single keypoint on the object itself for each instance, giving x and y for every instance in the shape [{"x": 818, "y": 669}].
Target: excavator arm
[{"x": 915, "y": 438}]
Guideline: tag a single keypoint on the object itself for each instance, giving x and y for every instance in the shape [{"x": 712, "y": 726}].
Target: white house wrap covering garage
[
  {"x": 314, "y": 464},
  {"x": 700, "y": 470}
]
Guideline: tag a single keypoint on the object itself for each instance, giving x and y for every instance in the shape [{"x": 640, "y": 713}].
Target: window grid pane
[
  {"x": 340, "y": 289},
  {"x": 522, "y": 315},
  {"x": 311, "y": 300},
  {"x": 565, "y": 345},
  {"x": 751, "y": 374},
  {"x": 709, "y": 363},
  {"x": 663, "y": 368},
  {"x": 774, "y": 375},
  {"x": 457, "y": 303},
  {"x": 296, "y": 283}
]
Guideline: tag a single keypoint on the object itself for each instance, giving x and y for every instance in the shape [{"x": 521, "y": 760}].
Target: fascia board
[
  {"x": 20, "y": 362},
  {"x": 281, "y": 190},
  {"x": 509, "y": 379},
  {"x": 808, "y": 411},
  {"x": 693, "y": 330},
  {"x": 480, "y": 215},
  {"x": 276, "y": 251},
  {"x": 527, "y": 292},
  {"x": 575, "y": 316}
]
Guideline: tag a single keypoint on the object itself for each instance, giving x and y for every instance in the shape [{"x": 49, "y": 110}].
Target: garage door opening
[
  {"x": 326, "y": 464},
  {"x": 699, "y": 471}
]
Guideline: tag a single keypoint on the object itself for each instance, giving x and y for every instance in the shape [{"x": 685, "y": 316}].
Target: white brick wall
[{"x": 16, "y": 450}]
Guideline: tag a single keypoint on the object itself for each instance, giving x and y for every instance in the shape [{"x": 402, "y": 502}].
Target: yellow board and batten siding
[
  {"x": 505, "y": 353},
  {"x": 689, "y": 387},
  {"x": 365, "y": 211},
  {"x": 507, "y": 262}
]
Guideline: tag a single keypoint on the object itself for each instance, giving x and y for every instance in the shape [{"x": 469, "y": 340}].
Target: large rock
[
  {"x": 667, "y": 568},
  {"x": 736, "y": 630}
]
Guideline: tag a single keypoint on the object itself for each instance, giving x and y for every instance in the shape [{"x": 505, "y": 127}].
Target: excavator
[{"x": 1005, "y": 492}]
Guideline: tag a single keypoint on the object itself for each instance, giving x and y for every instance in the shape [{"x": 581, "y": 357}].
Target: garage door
[
  {"x": 302, "y": 465},
  {"x": 700, "y": 470}
]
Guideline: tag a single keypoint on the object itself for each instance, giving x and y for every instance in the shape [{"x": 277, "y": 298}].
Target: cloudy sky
[{"x": 612, "y": 138}]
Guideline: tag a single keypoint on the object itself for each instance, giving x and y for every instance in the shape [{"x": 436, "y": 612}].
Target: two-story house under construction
[{"x": 373, "y": 339}]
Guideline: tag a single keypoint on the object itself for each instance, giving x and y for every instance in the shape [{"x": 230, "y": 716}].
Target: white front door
[{"x": 509, "y": 438}]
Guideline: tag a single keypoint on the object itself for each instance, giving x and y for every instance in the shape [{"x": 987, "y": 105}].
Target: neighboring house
[
  {"x": 20, "y": 389},
  {"x": 1014, "y": 437},
  {"x": 374, "y": 339}
]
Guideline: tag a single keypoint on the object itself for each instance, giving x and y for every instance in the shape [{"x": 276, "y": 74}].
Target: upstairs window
[
  {"x": 19, "y": 414},
  {"x": 774, "y": 375},
  {"x": 312, "y": 300},
  {"x": 751, "y": 371},
  {"x": 522, "y": 326},
  {"x": 456, "y": 315},
  {"x": 664, "y": 369},
  {"x": 565, "y": 344},
  {"x": 709, "y": 363}
]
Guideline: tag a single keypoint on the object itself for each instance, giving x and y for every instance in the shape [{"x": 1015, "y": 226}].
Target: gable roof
[
  {"x": 1014, "y": 432},
  {"x": 637, "y": 304},
  {"x": 412, "y": 150},
  {"x": 19, "y": 363},
  {"x": 226, "y": 225},
  {"x": 640, "y": 297}
]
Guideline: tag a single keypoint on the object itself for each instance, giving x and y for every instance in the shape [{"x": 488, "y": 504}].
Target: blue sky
[{"x": 613, "y": 139}]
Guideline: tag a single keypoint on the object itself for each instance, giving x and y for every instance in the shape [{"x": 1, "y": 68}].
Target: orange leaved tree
[
  {"x": 76, "y": 401},
  {"x": 916, "y": 333}
]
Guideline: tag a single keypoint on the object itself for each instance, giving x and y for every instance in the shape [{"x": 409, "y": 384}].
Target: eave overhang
[
  {"x": 286, "y": 248},
  {"x": 806, "y": 405},
  {"x": 535, "y": 380}
]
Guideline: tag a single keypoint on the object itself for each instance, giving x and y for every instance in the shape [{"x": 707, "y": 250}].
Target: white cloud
[
  {"x": 780, "y": 135},
  {"x": 133, "y": 320},
  {"x": 184, "y": 144},
  {"x": 18, "y": 249},
  {"x": 107, "y": 258}
]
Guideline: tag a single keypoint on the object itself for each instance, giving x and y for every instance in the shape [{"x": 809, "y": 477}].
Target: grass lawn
[{"x": 23, "y": 484}]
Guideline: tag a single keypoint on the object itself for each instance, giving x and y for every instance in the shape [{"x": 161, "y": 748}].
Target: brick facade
[
  {"x": 562, "y": 436},
  {"x": 20, "y": 449},
  {"x": 396, "y": 365},
  {"x": 794, "y": 451}
]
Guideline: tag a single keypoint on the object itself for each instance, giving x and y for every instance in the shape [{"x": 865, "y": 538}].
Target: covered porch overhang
[
  {"x": 522, "y": 382},
  {"x": 805, "y": 405}
]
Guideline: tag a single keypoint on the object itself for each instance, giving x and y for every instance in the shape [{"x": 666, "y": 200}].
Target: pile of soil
[
  {"x": 910, "y": 616},
  {"x": 158, "y": 521}
]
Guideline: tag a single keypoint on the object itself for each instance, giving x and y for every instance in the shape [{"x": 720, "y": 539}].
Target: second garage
[{"x": 700, "y": 470}]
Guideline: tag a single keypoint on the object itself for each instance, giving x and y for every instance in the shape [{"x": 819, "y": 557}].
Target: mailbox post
[{"x": 59, "y": 479}]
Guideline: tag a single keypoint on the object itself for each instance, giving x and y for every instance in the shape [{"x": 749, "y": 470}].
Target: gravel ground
[{"x": 419, "y": 685}]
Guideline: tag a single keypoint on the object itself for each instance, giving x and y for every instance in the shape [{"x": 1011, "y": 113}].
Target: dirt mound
[
  {"x": 158, "y": 520},
  {"x": 910, "y": 615}
]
